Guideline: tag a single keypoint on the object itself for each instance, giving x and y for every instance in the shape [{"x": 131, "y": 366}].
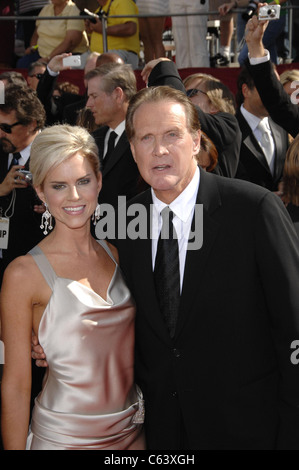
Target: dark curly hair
[{"x": 25, "y": 103}]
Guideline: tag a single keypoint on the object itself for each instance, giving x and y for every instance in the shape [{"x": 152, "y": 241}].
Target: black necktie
[
  {"x": 15, "y": 159},
  {"x": 167, "y": 271},
  {"x": 110, "y": 148}
]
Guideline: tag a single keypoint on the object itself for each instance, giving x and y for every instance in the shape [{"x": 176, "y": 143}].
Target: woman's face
[{"x": 71, "y": 191}]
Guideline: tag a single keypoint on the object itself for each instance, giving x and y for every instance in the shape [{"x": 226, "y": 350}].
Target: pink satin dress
[{"x": 88, "y": 400}]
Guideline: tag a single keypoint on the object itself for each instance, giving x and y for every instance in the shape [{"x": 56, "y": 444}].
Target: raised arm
[{"x": 274, "y": 97}]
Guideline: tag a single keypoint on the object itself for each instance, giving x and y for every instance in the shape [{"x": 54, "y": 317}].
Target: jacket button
[{"x": 176, "y": 353}]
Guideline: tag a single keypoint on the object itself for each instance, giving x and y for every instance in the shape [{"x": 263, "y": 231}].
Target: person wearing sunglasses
[
  {"x": 21, "y": 118},
  {"x": 35, "y": 73}
]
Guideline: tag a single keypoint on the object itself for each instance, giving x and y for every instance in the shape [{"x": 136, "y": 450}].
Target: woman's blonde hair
[
  {"x": 56, "y": 144},
  {"x": 289, "y": 76},
  {"x": 291, "y": 173}
]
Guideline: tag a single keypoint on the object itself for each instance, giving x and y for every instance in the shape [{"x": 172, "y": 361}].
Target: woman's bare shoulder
[{"x": 22, "y": 270}]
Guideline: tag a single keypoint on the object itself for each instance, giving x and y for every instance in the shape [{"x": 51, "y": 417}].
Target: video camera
[{"x": 250, "y": 11}]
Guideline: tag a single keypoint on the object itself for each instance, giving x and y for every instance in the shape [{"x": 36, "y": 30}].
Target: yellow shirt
[
  {"x": 128, "y": 43},
  {"x": 52, "y": 33}
]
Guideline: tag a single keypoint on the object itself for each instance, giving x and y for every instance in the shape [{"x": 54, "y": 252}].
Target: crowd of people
[
  {"x": 135, "y": 30},
  {"x": 149, "y": 254}
]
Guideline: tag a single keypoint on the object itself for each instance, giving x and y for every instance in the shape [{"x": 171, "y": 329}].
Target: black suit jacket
[
  {"x": 253, "y": 165},
  {"x": 24, "y": 231},
  {"x": 120, "y": 175},
  {"x": 44, "y": 92},
  {"x": 274, "y": 97},
  {"x": 221, "y": 128},
  {"x": 227, "y": 374}
]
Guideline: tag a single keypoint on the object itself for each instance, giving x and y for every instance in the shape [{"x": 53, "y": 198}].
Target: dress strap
[
  {"x": 44, "y": 265},
  {"x": 107, "y": 249}
]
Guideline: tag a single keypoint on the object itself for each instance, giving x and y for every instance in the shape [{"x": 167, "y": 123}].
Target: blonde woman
[{"x": 72, "y": 295}]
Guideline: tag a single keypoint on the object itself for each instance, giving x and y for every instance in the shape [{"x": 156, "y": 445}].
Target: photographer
[{"x": 273, "y": 31}]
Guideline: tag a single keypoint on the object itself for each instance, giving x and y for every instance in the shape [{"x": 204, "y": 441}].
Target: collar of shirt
[
  {"x": 118, "y": 130},
  {"x": 253, "y": 121},
  {"x": 25, "y": 154},
  {"x": 183, "y": 205},
  {"x": 183, "y": 208}
]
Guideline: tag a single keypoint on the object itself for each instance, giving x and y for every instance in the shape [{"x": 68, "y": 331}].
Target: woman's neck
[{"x": 59, "y": 8}]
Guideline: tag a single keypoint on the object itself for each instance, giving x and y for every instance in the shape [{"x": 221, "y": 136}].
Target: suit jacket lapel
[
  {"x": 120, "y": 148},
  {"x": 251, "y": 143},
  {"x": 143, "y": 273},
  {"x": 99, "y": 136},
  {"x": 3, "y": 165},
  {"x": 279, "y": 153},
  {"x": 196, "y": 260}
]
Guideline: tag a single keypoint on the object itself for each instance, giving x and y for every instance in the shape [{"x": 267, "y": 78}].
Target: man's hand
[
  {"x": 254, "y": 33},
  {"x": 149, "y": 67},
  {"x": 226, "y": 8},
  {"x": 12, "y": 180},
  {"x": 56, "y": 63},
  {"x": 37, "y": 352}
]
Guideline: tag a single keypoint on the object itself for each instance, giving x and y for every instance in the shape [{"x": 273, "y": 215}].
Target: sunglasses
[
  {"x": 37, "y": 75},
  {"x": 194, "y": 92},
  {"x": 8, "y": 127}
]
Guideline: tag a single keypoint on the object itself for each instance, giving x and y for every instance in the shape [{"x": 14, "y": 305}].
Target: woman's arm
[{"x": 16, "y": 323}]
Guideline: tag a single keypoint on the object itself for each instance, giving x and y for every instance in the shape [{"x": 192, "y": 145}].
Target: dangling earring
[
  {"x": 96, "y": 215},
  {"x": 46, "y": 220}
]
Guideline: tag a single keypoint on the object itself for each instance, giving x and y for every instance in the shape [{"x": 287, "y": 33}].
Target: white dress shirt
[
  {"x": 183, "y": 209},
  {"x": 254, "y": 121},
  {"x": 25, "y": 154},
  {"x": 118, "y": 130}
]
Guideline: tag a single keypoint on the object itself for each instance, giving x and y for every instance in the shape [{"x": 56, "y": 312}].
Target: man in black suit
[
  {"x": 282, "y": 109},
  {"x": 224, "y": 379},
  {"x": 110, "y": 87},
  {"x": 260, "y": 162},
  {"x": 221, "y": 374},
  {"x": 21, "y": 117}
]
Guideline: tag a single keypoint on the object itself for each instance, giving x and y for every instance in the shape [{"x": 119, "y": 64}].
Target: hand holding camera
[{"x": 269, "y": 12}]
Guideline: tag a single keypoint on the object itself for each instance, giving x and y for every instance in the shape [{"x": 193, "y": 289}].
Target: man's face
[
  {"x": 102, "y": 105},
  {"x": 164, "y": 149},
  {"x": 32, "y": 80},
  {"x": 253, "y": 102},
  {"x": 20, "y": 136}
]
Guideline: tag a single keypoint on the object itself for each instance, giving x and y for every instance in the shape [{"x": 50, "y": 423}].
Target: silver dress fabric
[{"x": 88, "y": 399}]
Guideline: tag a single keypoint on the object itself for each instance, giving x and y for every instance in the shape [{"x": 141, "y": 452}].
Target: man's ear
[
  {"x": 133, "y": 150},
  {"x": 245, "y": 90},
  {"x": 196, "y": 142},
  {"x": 118, "y": 94}
]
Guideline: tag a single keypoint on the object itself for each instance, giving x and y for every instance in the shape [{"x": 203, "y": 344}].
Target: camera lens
[{"x": 250, "y": 11}]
